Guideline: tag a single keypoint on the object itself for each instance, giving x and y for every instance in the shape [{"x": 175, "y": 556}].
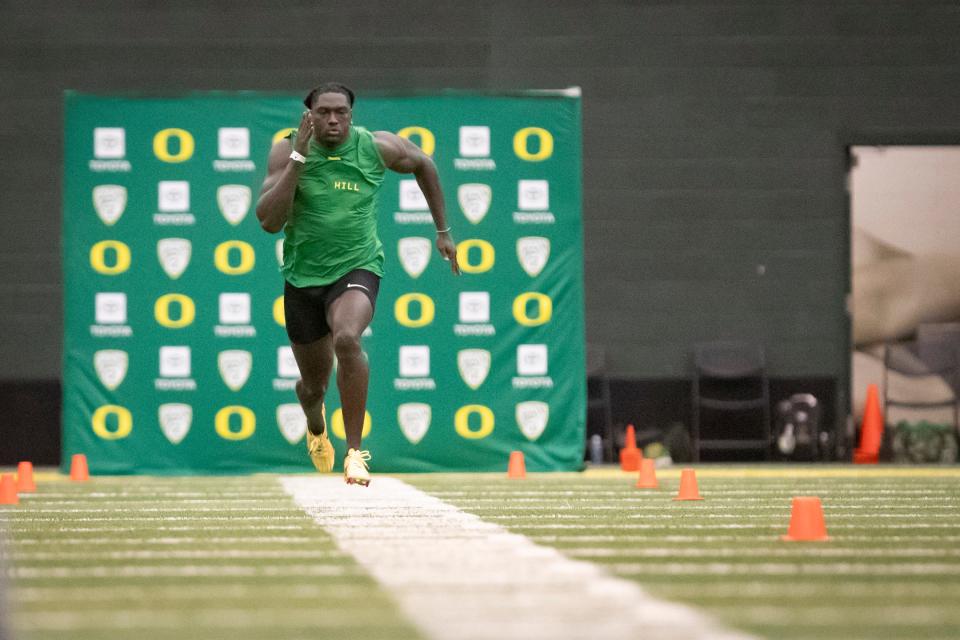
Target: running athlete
[{"x": 321, "y": 189}]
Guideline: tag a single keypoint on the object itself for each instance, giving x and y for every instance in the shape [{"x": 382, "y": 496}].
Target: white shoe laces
[{"x": 357, "y": 457}]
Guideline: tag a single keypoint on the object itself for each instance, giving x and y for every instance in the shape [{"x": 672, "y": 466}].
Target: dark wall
[
  {"x": 30, "y": 421},
  {"x": 714, "y": 136}
]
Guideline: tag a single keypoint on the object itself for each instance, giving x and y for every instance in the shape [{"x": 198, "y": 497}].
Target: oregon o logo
[
  {"x": 161, "y": 145},
  {"x": 339, "y": 430},
  {"x": 124, "y": 422},
  {"x": 121, "y": 257},
  {"x": 544, "y": 309},
  {"x": 461, "y": 421},
  {"x": 487, "y": 256},
  {"x": 401, "y": 309},
  {"x": 427, "y": 141},
  {"x": 521, "y": 144},
  {"x": 187, "y": 311},
  {"x": 283, "y": 133},
  {"x": 279, "y": 315},
  {"x": 248, "y": 423},
  {"x": 221, "y": 257}
]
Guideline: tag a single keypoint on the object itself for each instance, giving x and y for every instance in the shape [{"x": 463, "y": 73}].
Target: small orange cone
[
  {"x": 630, "y": 438},
  {"x": 871, "y": 431},
  {"x": 806, "y": 520},
  {"x": 648, "y": 474},
  {"x": 78, "y": 468},
  {"x": 630, "y": 459},
  {"x": 25, "y": 482},
  {"x": 516, "y": 468},
  {"x": 688, "y": 486},
  {"x": 630, "y": 455},
  {"x": 8, "y": 490}
]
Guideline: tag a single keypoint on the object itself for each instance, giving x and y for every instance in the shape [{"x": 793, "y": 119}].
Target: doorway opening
[{"x": 905, "y": 289}]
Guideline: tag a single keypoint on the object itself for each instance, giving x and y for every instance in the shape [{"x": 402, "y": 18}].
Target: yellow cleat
[
  {"x": 355, "y": 469},
  {"x": 321, "y": 451}
]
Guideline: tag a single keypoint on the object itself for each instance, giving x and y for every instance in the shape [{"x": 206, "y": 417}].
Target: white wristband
[{"x": 297, "y": 157}]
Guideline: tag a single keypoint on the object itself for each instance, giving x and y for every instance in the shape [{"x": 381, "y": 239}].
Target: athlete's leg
[
  {"x": 315, "y": 360},
  {"x": 348, "y": 315},
  {"x": 312, "y": 345}
]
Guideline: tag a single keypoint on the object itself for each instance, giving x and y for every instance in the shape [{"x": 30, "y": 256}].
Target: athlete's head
[{"x": 331, "y": 107}]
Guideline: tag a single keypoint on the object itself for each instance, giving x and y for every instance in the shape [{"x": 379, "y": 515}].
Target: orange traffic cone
[
  {"x": 871, "y": 431},
  {"x": 630, "y": 438},
  {"x": 806, "y": 521},
  {"x": 630, "y": 459},
  {"x": 516, "y": 468},
  {"x": 648, "y": 474},
  {"x": 25, "y": 482},
  {"x": 78, "y": 468},
  {"x": 688, "y": 486},
  {"x": 630, "y": 455},
  {"x": 8, "y": 490}
]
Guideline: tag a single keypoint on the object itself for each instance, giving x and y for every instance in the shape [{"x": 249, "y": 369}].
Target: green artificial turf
[
  {"x": 214, "y": 557},
  {"x": 180, "y": 558},
  {"x": 891, "y": 568}
]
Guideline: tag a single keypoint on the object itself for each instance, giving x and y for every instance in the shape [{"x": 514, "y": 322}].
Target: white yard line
[
  {"x": 460, "y": 578},
  {"x": 208, "y": 621},
  {"x": 167, "y": 518},
  {"x": 780, "y": 527},
  {"x": 154, "y": 528},
  {"x": 180, "y": 554},
  {"x": 159, "y": 497},
  {"x": 170, "y": 541},
  {"x": 801, "y": 553},
  {"x": 153, "y": 593},
  {"x": 763, "y": 501},
  {"x": 173, "y": 506},
  {"x": 753, "y": 494},
  {"x": 659, "y": 509},
  {"x": 659, "y": 539},
  {"x": 845, "y": 569},
  {"x": 316, "y": 570}
]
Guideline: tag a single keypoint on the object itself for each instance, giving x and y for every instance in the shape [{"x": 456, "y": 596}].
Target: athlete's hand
[
  {"x": 448, "y": 250},
  {"x": 302, "y": 146}
]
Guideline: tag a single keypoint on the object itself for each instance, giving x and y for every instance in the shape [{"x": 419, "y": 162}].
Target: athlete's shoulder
[
  {"x": 388, "y": 136},
  {"x": 362, "y": 132},
  {"x": 368, "y": 143},
  {"x": 365, "y": 137},
  {"x": 389, "y": 144}
]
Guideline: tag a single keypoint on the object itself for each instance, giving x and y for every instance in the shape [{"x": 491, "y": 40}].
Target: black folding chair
[{"x": 730, "y": 384}]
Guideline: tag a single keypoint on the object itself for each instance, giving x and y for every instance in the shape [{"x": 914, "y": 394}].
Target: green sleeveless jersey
[{"x": 332, "y": 226}]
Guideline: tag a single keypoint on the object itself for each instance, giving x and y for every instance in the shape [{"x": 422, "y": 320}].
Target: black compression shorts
[{"x": 305, "y": 308}]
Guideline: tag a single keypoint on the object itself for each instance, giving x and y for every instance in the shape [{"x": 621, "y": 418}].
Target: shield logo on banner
[
  {"x": 235, "y": 366},
  {"x": 109, "y": 201},
  {"x": 175, "y": 419},
  {"x": 414, "y": 419},
  {"x": 174, "y": 255},
  {"x": 532, "y": 418},
  {"x": 474, "y": 365},
  {"x": 234, "y": 201},
  {"x": 414, "y": 255},
  {"x": 111, "y": 366},
  {"x": 292, "y": 422},
  {"x": 474, "y": 200},
  {"x": 533, "y": 253}
]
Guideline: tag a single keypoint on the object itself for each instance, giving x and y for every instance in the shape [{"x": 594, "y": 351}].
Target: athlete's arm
[
  {"x": 280, "y": 185},
  {"x": 402, "y": 156}
]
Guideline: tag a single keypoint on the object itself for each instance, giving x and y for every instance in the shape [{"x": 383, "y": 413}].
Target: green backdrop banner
[{"x": 176, "y": 358}]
